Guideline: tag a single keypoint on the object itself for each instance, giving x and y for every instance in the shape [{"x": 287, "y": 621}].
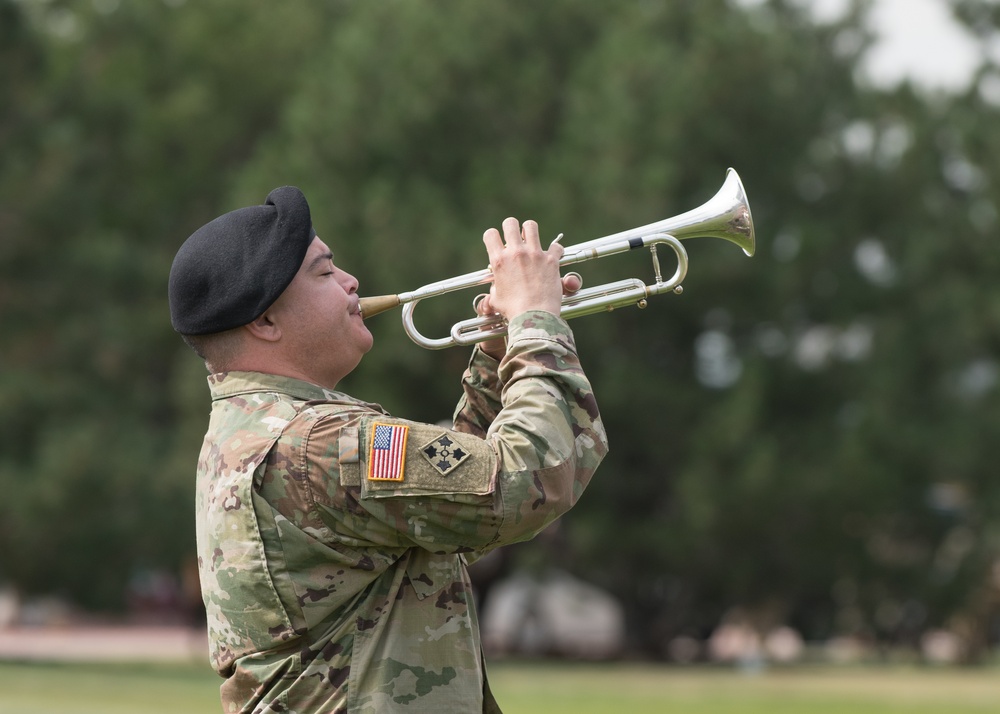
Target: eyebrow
[{"x": 320, "y": 258}]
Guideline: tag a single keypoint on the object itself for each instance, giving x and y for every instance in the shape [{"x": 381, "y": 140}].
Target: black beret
[{"x": 233, "y": 268}]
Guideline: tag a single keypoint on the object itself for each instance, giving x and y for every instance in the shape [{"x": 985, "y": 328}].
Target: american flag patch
[{"x": 387, "y": 453}]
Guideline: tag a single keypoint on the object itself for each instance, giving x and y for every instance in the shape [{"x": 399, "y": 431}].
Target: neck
[{"x": 277, "y": 364}]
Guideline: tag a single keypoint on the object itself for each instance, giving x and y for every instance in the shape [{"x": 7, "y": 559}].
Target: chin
[{"x": 369, "y": 339}]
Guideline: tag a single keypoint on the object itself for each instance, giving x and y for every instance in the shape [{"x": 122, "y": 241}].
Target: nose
[{"x": 349, "y": 282}]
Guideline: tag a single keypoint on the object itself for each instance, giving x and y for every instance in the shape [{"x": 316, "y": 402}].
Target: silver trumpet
[{"x": 726, "y": 215}]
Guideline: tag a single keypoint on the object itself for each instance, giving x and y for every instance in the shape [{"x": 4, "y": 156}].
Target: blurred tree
[
  {"x": 784, "y": 411},
  {"x": 806, "y": 434},
  {"x": 129, "y": 121}
]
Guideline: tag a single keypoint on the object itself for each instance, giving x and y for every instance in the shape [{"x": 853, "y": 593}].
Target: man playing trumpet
[{"x": 333, "y": 538}]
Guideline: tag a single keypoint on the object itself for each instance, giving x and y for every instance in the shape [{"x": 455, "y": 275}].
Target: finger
[
  {"x": 556, "y": 248},
  {"x": 530, "y": 232},
  {"x": 481, "y": 304},
  {"x": 512, "y": 231},
  {"x": 494, "y": 244},
  {"x": 571, "y": 283}
]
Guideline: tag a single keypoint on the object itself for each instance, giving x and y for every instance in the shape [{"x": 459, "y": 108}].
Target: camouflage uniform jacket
[{"x": 333, "y": 539}]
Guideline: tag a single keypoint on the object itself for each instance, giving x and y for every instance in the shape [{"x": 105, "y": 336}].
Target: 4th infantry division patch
[
  {"x": 388, "y": 452},
  {"x": 444, "y": 454}
]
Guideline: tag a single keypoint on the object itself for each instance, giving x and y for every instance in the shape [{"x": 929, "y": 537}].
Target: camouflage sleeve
[
  {"x": 551, "y": 443},
  {"x": 480, "y": 402},
  {"x": 449, "y": 491}
]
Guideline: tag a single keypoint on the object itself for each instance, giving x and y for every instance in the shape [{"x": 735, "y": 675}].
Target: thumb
[
  {"x": 571, "y": 282},
  {"x": 483, "y": 305}
]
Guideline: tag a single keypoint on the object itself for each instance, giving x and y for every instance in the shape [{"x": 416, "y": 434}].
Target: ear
[{"x": 264, "y": 328}]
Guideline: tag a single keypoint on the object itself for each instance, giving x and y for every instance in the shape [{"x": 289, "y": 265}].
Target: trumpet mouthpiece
[{"x": 374, "y": 305}]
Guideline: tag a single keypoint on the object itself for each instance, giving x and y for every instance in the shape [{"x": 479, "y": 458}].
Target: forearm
[
  {"x": 480, "y": 402},
  {"x": 549, "y": 435},
  {"x": 466, "y": 492}
]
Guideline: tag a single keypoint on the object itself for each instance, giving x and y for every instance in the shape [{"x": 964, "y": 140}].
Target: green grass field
[{"x": 541, "y": 688}]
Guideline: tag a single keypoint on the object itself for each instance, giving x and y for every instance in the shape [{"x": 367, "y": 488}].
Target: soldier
[{"x": 333, "y": 538}]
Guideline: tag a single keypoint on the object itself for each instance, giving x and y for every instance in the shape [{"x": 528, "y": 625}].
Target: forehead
[
  {"x": 316, "y": 260},
  {"x": 317, "y": 255},
  {"x": 316, "y": 249}
]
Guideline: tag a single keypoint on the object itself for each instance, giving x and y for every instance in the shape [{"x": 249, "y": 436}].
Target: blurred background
[{"x": 801, "y": 442}]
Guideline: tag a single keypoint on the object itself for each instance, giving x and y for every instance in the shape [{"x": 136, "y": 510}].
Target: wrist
[
  {"x": 532, "y": 322},
  {"x": 494, "y": 349}
]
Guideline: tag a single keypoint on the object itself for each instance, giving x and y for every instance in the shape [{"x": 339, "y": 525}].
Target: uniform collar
[{"x": 230, "y": 384}]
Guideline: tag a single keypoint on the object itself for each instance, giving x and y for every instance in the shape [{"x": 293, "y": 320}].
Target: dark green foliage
[{"x": 807, "y": 434}]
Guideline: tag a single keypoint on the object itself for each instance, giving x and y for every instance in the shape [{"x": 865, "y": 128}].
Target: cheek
[{"x": 337, "y": 295}]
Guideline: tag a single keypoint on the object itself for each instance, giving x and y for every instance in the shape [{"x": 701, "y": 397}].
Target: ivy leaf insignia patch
[{"x": 444, "y": 454}]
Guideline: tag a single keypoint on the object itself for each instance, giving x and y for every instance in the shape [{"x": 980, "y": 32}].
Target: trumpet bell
[{"x": 726, "y": 215}]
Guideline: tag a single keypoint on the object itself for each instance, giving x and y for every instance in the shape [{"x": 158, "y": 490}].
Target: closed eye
[{"x": 318, "y": 263}]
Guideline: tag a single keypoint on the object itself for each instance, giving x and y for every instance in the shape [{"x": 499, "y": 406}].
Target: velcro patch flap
[{"x": 431, "y": 462}]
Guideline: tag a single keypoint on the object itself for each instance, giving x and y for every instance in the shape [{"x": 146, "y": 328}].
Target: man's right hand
[
  {"x": 510, "y": 277},
  {"x": 525, "y": 276}
]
